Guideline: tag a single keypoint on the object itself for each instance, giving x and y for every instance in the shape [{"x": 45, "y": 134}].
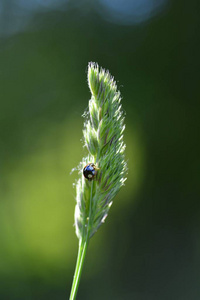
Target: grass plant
[{"x": 103, "y": 137}]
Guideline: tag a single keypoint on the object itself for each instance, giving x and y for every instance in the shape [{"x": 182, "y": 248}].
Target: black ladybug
[{"x": 89, "y": 171}]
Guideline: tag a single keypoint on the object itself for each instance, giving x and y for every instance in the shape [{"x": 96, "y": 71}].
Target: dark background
[{"x": 149, "y": 247}]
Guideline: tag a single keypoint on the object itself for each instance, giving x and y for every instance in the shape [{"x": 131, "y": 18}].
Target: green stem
[
  {"x": 83, "y": 244},
  {"x": 79, "y": 265}
]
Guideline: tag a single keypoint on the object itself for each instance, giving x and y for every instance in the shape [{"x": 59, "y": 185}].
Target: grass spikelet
[
  {"x": 106, "y": 167},
  {"x": 103, "y": 136}
]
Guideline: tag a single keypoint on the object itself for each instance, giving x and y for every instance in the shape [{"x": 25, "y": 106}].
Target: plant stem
[
  {"x": 79, "y": 265},
  {"x": 83, "y": 244}
]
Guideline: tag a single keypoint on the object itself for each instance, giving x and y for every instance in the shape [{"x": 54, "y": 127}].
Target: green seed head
[{"x": 103, "y": 137}]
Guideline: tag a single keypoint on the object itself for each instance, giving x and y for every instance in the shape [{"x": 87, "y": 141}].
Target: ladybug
[{"x": 89, "y": 171}]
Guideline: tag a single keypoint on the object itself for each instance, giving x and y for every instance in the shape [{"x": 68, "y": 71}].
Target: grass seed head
[{"x": 103, "y": 137}]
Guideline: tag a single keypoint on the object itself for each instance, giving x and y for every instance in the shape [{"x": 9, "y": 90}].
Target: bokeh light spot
[{"x": 130, "y": 11}]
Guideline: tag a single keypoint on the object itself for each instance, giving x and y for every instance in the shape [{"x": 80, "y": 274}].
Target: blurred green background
[{"x": 149, "y": 248}]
